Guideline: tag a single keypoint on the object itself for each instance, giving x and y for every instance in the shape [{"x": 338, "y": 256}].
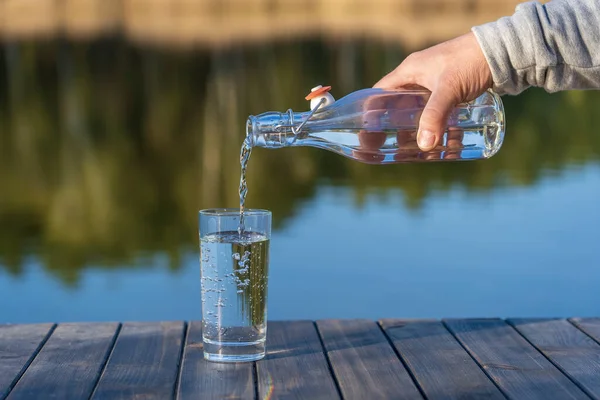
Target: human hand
[{"x": 455, "y": 71}]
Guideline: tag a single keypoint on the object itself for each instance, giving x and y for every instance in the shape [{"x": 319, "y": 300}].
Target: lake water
[{"x": 108, "y": 149}]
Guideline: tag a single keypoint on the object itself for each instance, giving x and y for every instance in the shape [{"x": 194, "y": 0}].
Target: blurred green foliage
[{"x": 108, "y": 150}]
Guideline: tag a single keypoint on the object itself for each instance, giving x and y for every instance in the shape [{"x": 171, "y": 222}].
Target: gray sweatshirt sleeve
[{"x": 555, "y": 46}]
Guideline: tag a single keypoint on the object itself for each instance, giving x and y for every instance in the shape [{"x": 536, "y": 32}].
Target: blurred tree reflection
[{"x": 107, "y": 151}]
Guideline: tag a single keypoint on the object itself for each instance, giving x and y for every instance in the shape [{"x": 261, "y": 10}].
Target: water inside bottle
[{"x": 398, "y": 146}]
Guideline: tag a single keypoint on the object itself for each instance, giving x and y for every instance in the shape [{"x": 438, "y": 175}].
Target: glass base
[{"x": 233, "y": 351}]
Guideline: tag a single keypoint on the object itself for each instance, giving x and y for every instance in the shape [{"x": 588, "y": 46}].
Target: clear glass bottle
[{"x": 379, "y": 126}]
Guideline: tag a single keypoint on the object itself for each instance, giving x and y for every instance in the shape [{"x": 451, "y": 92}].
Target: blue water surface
[{"x": 511, "y": 252}]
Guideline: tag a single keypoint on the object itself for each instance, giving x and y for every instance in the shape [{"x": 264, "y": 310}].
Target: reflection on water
[{"x": 109, "y": 149}]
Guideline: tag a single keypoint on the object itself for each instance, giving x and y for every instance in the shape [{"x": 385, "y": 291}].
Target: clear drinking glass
[{"x": 234, "y": 274}]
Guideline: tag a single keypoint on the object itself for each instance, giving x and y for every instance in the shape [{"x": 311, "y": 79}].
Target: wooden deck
[{"x": 329, "y": 359}]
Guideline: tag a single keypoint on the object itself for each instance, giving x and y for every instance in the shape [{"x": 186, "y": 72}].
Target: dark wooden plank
[
  {"x": 363, "y": 361},
  {"x": 295, "y": 366},
  {"x": 18, "y": 346},
  {"x": 571, "y": 350},
  {"x": 591, "y": 326},
  {"x": 144, "y": 362},
  {"x": 517, "y": 367},
  {"x": 441, "y": 366},
  {"x": 69, "y": 364},
  {"x": 208, "y": 380}
]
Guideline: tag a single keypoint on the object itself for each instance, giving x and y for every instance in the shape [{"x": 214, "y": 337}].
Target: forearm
[{"x": 555, "y": 46}]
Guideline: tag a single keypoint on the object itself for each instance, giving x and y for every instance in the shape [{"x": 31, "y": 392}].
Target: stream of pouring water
[{"x": 244, "y": 157}]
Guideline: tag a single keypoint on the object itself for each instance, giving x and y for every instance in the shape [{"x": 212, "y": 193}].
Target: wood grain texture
[
  {"x": 525, "y": 358},
  {"x": 295, "y": 366},
  {"x": 518, "y": 368},
  {"x": 208, "y": 380},
  {"x": 441, "y": 366},
  {"x": 19, "y": 344},
  {"x": 363, "y": 361},
  {"x": 571, "y": 350},
  {"x": 591, "y": 326},
  {"x": 69, "y": 364},
  {"x": 143, "y": 363}
]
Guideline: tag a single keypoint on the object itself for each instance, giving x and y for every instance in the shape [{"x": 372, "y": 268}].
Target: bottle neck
[{"x": 274, "y": 129}]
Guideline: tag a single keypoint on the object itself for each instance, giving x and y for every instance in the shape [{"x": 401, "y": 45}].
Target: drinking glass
[{"x": 234, "y": 269}]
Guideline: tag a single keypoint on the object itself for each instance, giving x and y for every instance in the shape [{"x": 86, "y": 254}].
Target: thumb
[{"x": 434, "y": 119}]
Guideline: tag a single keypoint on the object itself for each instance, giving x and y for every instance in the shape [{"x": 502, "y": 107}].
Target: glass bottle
[{"x": 379, "y": 126}]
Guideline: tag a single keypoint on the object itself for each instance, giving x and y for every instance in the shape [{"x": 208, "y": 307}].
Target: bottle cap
[
  {"x": 319, "y": 96},
  {"x": 317, "y": 91}
]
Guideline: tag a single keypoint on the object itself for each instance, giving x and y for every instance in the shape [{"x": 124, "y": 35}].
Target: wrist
[{"x": 482, "y": 67}]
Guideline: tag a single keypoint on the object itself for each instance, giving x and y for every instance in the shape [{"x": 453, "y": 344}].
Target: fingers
[
  {"x": 405, "y": 74},
  {"x": 454, "y": 144},
  {"x": 433, "y": 120},
  {"x": 406, "y": 141},
  {"x": 390, "y": 81},
  {"x": 370, "y": 145},
  {"x": 387, "y": 81},
  {"x": 432, "y": 124}
]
